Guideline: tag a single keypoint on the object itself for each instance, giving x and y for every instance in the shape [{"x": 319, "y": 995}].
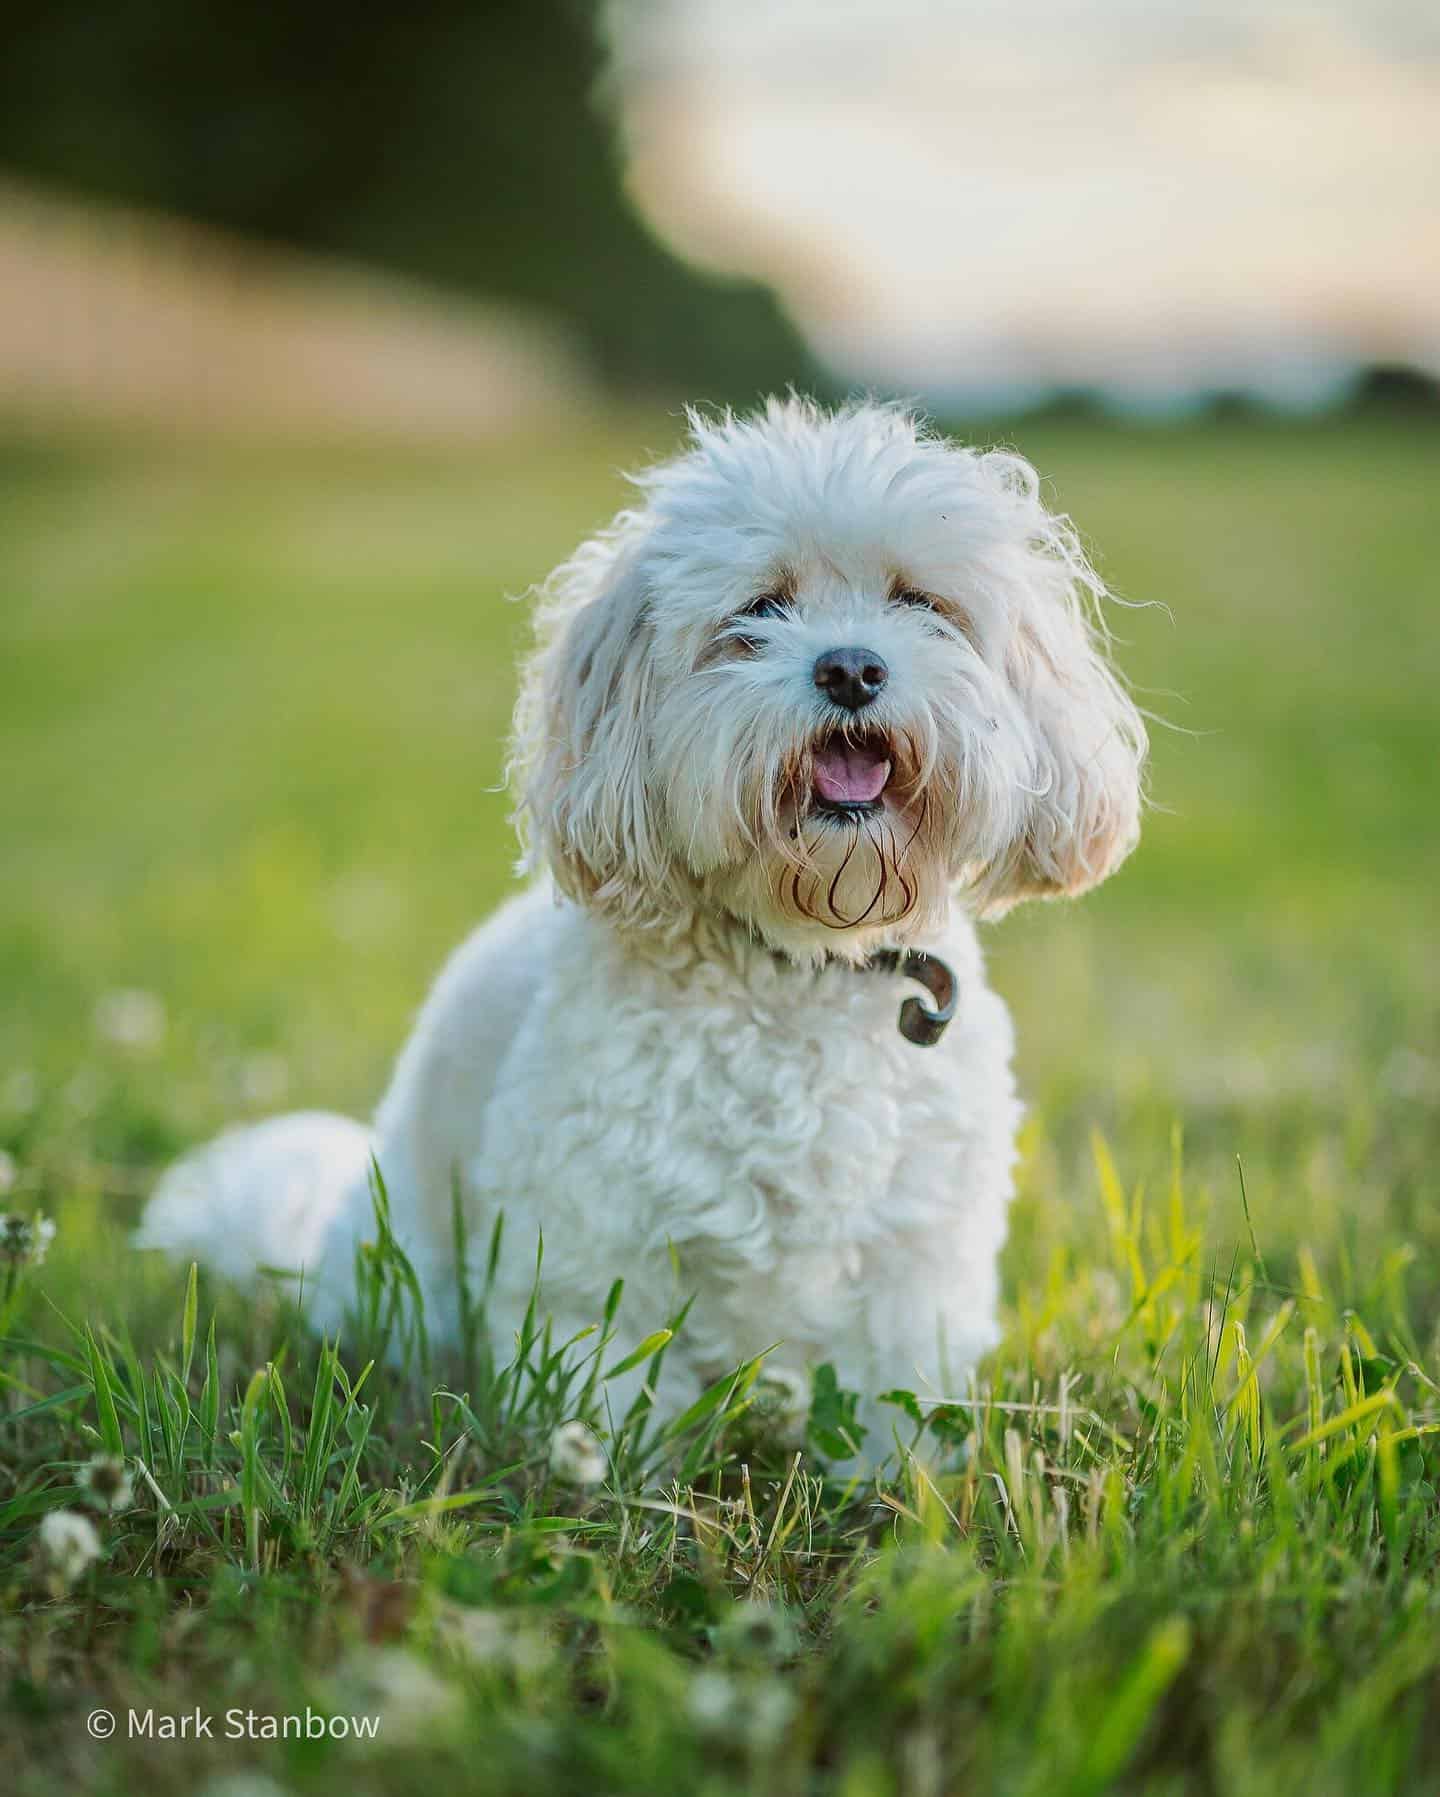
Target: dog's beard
[
  {"x": 854, "y": 842},
  {"x": 855, "y": 871},
  {"x": 823, "y": 875}
]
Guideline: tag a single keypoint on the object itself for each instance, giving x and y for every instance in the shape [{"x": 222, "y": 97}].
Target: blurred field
[
  {"x": 251, "y": 721},
  {"x": 253, "y": 712}
]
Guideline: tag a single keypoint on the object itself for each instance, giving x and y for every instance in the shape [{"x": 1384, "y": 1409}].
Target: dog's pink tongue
[{"x": 850, "y": 774}]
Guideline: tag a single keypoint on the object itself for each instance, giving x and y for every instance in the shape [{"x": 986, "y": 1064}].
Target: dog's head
[{"x": 830, "y": 673}]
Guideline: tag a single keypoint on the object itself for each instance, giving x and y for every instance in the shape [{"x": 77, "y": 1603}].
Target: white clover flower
[
  {"x": 488, "y": 1638},
  {"x": 480, "y": 1636},
  {"x": 106, "y": 1481},
  {"x": 782, "y": 1397},
  {"x": 768, "y": 1715},
  {"x": 751, "y": 1713},
  {"x": 756, "y": 1629},
  {"x": 576, "y": 1455},
  {"x": 69, "y": 1542},
  {"x": 715, "y": 1702},
  {"x": 8, "y": 1172},
  {"x": 24, "y": 1241},
  {"x": 131, "y": 1019},
  {"x": 396, "y": 1686}
]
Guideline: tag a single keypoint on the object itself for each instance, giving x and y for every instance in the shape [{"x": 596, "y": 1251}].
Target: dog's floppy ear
[
  {"x": 580, "y": 750},
  {"x": 1082, "y": 813}
]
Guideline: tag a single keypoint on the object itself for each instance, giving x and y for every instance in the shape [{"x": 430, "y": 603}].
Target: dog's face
[{"x": 829, "y": 675}]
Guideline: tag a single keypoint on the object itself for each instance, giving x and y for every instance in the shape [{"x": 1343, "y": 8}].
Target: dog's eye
[
  {"x": 944, "y": 613},
  {"x": 773, "y": 604},
  {"x": 768, "y": 605}
]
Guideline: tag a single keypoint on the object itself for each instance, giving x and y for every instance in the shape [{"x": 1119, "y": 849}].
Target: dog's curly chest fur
[{"x": 714, "y": 1119}]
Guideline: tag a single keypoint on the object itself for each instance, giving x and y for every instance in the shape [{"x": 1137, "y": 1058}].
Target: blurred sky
[{"x": 981, "y": 202}]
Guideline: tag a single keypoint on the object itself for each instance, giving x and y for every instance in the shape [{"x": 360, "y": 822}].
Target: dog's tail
[{"x": 269, "y": 1195}]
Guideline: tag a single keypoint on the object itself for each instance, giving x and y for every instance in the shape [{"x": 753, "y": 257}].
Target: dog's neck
[{"x": 720, "y": 936}]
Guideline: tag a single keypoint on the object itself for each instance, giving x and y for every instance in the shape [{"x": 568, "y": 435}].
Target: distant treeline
[
  {"x": 457, "y": 141},
  {"x": 1383, "y": 389}
]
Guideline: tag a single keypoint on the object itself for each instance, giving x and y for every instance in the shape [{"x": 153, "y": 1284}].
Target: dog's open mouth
[{"x": 849, "y": 777}]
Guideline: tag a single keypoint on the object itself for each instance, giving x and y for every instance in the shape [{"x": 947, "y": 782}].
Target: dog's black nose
[{"x": 851, "y": 677}]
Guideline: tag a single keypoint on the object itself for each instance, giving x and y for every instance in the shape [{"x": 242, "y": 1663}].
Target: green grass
[{"x": 1183, "y": 1537}]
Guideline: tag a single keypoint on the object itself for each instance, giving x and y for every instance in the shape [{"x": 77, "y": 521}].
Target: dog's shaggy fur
[{"x": 670, "y": 1050}]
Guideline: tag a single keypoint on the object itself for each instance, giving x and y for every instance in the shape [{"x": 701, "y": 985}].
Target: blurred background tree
[{"x": 463, "y": 144}]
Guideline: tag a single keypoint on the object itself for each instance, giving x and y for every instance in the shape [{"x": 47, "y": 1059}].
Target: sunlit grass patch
[{"x": 1183, "y": 1496}]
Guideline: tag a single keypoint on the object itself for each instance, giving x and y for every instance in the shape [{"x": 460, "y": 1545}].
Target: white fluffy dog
[{"x": 832, "y": 689}]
